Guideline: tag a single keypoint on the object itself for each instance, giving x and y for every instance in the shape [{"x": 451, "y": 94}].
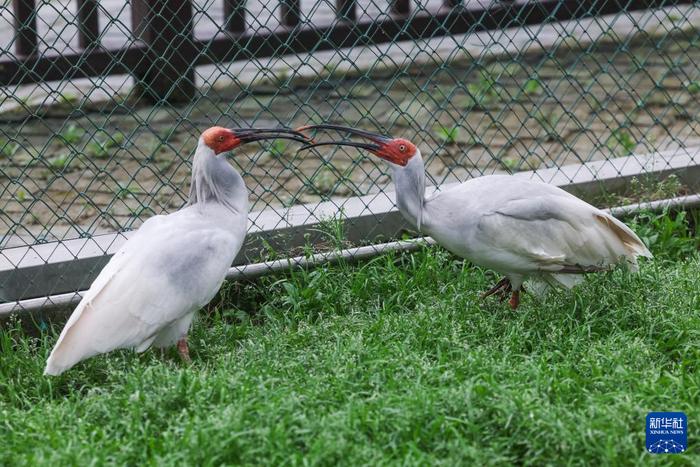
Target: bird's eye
[
  {"x": 221, "y": 138},
  {"x": 402, "y": 148}
]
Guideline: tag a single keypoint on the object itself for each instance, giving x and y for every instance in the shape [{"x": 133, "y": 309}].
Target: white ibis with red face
[
  {"x": 522, "y": 229},
  {"x": 149, "y": 291}
]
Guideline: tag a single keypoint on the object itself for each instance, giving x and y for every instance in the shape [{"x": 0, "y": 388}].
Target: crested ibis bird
[
  {"x": 522, "y": 229},
  {"x": 149, "y": 291}
]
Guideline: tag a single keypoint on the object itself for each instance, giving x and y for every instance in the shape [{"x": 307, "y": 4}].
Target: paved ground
[{"x": 87, "y": 166}]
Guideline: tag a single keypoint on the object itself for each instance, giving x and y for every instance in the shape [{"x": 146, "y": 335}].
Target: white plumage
[
  {"x": 173, "y": 265},
  {"x": 149, "y": 291},
  {"x": 520, "y": 228},
  {"x": 528, "y": 230}
]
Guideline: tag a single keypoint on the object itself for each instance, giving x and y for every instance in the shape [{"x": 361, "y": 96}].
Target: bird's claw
[
  {"x": 184, "y": 350},
  {"x": 503, "y": 289},
  {"x": 503, "y": 294},
  {"x": 497, "y": 288}
]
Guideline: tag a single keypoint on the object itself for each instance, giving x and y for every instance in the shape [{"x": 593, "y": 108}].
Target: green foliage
[
  {"x": 532, "y": 86},
  {"x": 7, "y": 148},
  {"x": 332, "y": 230},
  {"x": 129, "y": 191},
  {"x": 650, "y": 188},
  {"x": 278, "y": 148},
  {"x": 166, "y": 133},
  {"x": 281, "y": 78},
  {"x": 447, "y": 135},
  {"x": 641, "y": 190},
  {"x": 60, "y": 162},
  {"x": 72, "y": 134},
  {"x": 394, "y": 361},
  {"x": 98, "y": 150},
  {"x": 693, "y": 87},
  {"x": 621, "y": 139},
  {"x": 674, "y": 18},
  {"x": 511, "y": 164},
  {"x": 67, "y": 98},
  {"x": 669, "y": 235},
  {"x": 483, "y": 91},
  {"x": 548, "y": 122},
  {"x": 324, "y": 181},
  {"x": 102, "y": 142}
]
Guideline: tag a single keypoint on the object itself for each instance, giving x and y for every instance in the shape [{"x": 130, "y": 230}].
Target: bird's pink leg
[
  {"x": 514, "y": 299},
  {"x": 503, "y": 294},
  {"x": 503, "y": 283},
  {"x": 183, "y": 350}
]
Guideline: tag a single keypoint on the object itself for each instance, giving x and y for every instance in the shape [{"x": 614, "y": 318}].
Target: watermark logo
[{"x": 667, "y": 432}]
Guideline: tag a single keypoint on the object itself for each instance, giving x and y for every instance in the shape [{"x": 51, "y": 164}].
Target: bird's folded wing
[
  {"x": 162, "y": 273},
  {"x": 121, "y": 258},
  {"x": 556, "y": 233},
  {"x": 104, "y": 319}
]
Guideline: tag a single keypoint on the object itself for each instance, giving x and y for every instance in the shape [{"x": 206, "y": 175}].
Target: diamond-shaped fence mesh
[{"x": 102, "y": 104}]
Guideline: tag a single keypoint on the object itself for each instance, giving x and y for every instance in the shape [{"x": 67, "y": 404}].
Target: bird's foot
[
  {"x": 514, "y": 299},
  {"x": 183, "y": 350},
  {"x": 502, "y": 288},
  {"x": 503, "y": 294}
]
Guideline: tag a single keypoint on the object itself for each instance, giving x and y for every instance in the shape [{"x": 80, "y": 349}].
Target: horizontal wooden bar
[
  {"x": 53, "y": 67},
  {"x": 417, "y": 27},
  {"x": 225, "y": 48}
]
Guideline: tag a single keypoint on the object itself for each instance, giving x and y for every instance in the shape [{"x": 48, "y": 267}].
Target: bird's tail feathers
[
  {"x": 58, "y": 362},
  {"x": 53, "y": 369},
  {"x": 541, "y": 284},
  {"x": 566, "y": 280},
  {"x": 632, "y": 243},
  {"x": 537, "y": 286}
]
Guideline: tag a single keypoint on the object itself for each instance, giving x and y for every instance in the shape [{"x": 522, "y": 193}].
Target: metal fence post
[{"x": 165, "y": 26}]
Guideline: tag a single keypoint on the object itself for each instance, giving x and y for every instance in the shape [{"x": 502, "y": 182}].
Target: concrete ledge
[
  {"x": 59, "y": 306},
  {"x": 68, "y": 266}
]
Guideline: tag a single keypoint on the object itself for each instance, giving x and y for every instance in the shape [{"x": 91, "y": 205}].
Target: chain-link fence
[{"x": 102, "y": 104}]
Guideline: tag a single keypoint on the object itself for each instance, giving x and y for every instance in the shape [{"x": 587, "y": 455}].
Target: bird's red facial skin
[
  {"x": 220, "y": 139},
  {"x": 397, "y": 151}
]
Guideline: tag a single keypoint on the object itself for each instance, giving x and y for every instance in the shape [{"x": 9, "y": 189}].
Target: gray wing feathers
[
  {"x": 166, "y": 271},
  {"x": 561, "y": 234}
]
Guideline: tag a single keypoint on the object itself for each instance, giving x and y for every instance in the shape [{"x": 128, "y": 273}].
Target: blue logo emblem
[{"x": 667, "y": 432}]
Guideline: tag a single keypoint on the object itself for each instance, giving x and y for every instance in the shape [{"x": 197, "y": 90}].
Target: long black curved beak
[
  {"x": 248, "y": 135},
  {"x": 373, "y": 148},
  {"x": 375, "y": 137}
]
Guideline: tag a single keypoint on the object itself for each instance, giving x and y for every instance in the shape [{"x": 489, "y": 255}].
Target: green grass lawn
[{"x": 393, "y": 361}]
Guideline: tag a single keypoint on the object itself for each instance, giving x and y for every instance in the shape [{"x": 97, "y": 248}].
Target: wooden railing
[{"x": 164, "y": 51}]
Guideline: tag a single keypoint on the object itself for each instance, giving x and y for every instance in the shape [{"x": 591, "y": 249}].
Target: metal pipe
[
  {"x": 681, "y": 202},
  {"x": 255, "y": 270},
  {"x": 247, "y": 272}
]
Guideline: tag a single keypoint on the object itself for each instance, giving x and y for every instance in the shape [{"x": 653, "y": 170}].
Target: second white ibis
[{"x": 522, "y": 229}]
